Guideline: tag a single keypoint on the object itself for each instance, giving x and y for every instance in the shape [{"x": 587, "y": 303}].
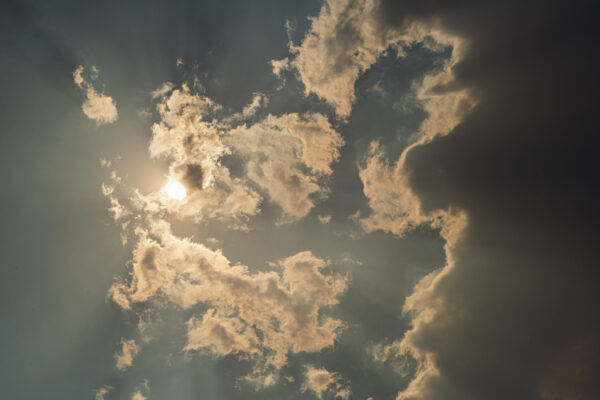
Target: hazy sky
[{"x": 348, "y": 199}]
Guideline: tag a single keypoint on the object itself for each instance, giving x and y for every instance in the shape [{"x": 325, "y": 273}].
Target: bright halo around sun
[{"x": 175, "y": 189}]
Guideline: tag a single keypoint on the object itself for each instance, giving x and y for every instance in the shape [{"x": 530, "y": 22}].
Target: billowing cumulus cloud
[
  {"x": 345, "y": 40},
  {"x": 285, "y": 158},
  {"x": 320, "y": 381},
  {"x": 97, "y": 106},
  {"x": 486, "y": 324},
  {"x": 470, "y": 320},
  {"x": 261, "y": 316},
  {"x": 451, "y": 147},
  {"x": 191, "y": 139},
  {"x": 395, "y": 208}
]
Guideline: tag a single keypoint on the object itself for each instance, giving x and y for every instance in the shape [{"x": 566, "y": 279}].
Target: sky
[{"x": 327, "y": 199}]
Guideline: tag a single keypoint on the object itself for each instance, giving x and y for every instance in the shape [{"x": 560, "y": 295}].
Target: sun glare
[{"x": 176, "y": 190}]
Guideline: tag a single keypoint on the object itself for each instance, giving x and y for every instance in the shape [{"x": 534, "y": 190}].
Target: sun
[{"x": 176, "y": 190}]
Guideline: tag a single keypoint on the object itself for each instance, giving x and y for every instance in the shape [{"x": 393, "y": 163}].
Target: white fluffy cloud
[{"x": 97, "y": 106}]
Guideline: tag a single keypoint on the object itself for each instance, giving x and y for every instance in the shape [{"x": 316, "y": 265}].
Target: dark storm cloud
[{"x": 516, "y": 315}]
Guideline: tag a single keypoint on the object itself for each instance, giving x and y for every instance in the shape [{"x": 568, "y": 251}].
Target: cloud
[
  {"x": 138, "y": 396},
  {"x": 258, "y": 101},
  {"x": 521, "y": 264},
  {"x": 97, "y": 106},
  {"x": 489, "y": 167},
  {"x": 324, "y": 219},
  {"x": 349, "y": 37},
  {"x": 101, "y": 393},
  {"x": 221, "y": 334},
  {"x": 395, "y": 208},
  {"x": 284, "y": 158},
  {"x": 344, "y": 40},
  {"x": 191, "y": 139},
  {"x": 129, "y": 349},
  {"x": 279, "y": 66},
  {"x": 162, "y": 91},
  {"x": 321, "y": 381},
  {"x": 287, "y": 156},
  {"x": 116, "y": 208},
  {"x": 261, "y": 316}
]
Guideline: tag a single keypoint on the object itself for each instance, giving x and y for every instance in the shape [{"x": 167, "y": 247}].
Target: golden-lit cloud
[
  {"x": 261, "y": 316},
  {"x": 284, "y": 159},
  {"x": 320, "y": 381},
  {"x": 129, "y": 349},
  {"x": 258, "y": 101},
  {"x": 279, "y": 150},
  {"x": 101, "y": 393},
  {"x": 395, "y": 208},
  {"x": 138, "y": 396},
  {"x": 97, "y": 106},
  {"x": 344, "y": 40},
  {"x": 324, "y": 219},
  {"x": 191, "y": 139}
]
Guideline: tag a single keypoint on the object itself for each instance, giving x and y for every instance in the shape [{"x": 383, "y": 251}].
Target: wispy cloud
[
  {"x": 320, "y": 381},
  {"x": 101, "y": 393},
  {"x": 129, "y": 349},
  {"x": 97, "y": 106}
]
